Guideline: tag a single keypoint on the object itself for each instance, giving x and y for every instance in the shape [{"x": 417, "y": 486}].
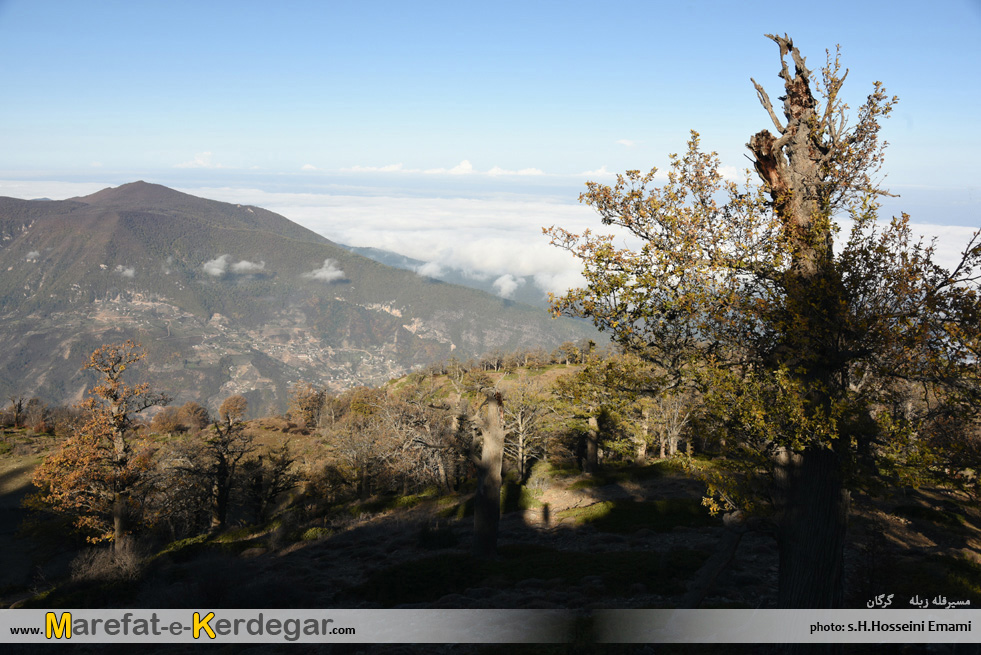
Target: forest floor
[
  {"x": 633, "y": 537},
  {"x": 625, "y": 538}
]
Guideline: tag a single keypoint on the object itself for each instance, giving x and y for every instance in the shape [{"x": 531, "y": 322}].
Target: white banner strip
[{"x": 932, "y": 625}]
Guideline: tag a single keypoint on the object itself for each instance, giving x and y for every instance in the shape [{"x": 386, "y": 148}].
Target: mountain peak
[{"x": 134, "y": 193}]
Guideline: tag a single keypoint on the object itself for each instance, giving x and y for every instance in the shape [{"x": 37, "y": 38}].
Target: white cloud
[
  {"x": 245, "y": 266},
  {"x": 309, "y": 167},
  {"x": 732, "y": 173},
  {"x": 627, "y": 142},
  {"x": 600, "y": 172},
  {"x": 327, "y": 273},
  {"x": 125, "y": 271},
  {"x": 216, "y": 267},
  {"x": 463, "y": 168},
  {"x": 390, "y": 168},
  {"x": 559, "y": 283},
  {"x": 524, "y": 171},
  {"x": 485, "y": 238},
  {"x": 201, "y": 160},
  {"x": 33, "y": 256},
  {"x": 96, "y": 164},
  {"x": 506, "y": 285},
  {"x": 430, "y": 269}
]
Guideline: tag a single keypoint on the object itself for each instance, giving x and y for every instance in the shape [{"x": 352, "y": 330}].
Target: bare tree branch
[{"x": 765, "y": 101}]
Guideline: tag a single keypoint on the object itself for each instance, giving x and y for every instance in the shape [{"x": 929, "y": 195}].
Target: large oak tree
[{"x": 738, "y": 289}]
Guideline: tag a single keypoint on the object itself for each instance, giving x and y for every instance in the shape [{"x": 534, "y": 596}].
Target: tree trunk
[
  {"x": 444, "y": 484},
  {"x": 363, "y": 484},
  {"x": 487, "y": 500},
  {"x": 522, "y": 466},
  {"x": 812, "y": 513},
  {"x": 809, "y": 497},
  {"x": 120, "y": 520},
  {"x": 592, "y": 446},
  {"x": 219, "y": 511},
  {"x": 645, "y": 432}
]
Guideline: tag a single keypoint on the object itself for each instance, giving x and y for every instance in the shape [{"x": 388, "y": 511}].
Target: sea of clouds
[{"x": 485, "y": 232}]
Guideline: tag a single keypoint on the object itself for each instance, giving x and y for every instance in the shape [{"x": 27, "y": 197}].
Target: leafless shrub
[{"x": 105, "y": 564}]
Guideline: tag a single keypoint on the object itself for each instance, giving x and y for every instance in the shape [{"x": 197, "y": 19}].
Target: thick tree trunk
[
  {"x": 809, "y": 497},
  {"x": 219, "y": 511},
  {"x": 487, "y": 501},
  {"x": 812, "y": 513}
]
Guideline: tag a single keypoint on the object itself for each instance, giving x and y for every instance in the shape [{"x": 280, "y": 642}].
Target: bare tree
[
  {"x": 224, "y": 449},
  {"x": 525, "y": 414}
]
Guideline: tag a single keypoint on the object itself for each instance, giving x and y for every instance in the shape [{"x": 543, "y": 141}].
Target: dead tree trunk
[{"x": 487, "y": 500}]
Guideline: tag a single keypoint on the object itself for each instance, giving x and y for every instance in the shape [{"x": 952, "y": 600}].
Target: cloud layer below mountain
[{"x": 487, "y": 233}]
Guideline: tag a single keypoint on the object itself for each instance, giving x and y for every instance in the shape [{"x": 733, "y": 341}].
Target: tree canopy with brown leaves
[
  {"x": 98, "y": 473},
  {"x": 737, "y": 289}
]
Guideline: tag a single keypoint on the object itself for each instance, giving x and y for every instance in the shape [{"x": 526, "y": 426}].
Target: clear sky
[{"x": 426, "y": 126}]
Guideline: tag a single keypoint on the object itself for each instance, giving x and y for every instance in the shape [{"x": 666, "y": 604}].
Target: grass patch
[
  {"x": 313, "y": 534},
  {"x": 236, "y": 534},
  {"x": 563, "y": 471},
  {"x": 231, "y": 542},
  {"x": 185, "y": 549},
  {"x": 460, "y": 510},
  {"x": 627, "y": 473},
  {"x": 429, "y": 579},
  {"x": 388, "y": 503},
  {"x": 629, "y": 516},
  {"x": 514, "y": 498}
]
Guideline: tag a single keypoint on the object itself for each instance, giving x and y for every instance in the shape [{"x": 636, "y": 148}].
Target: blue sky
[{"x": 398, "y": 122}]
